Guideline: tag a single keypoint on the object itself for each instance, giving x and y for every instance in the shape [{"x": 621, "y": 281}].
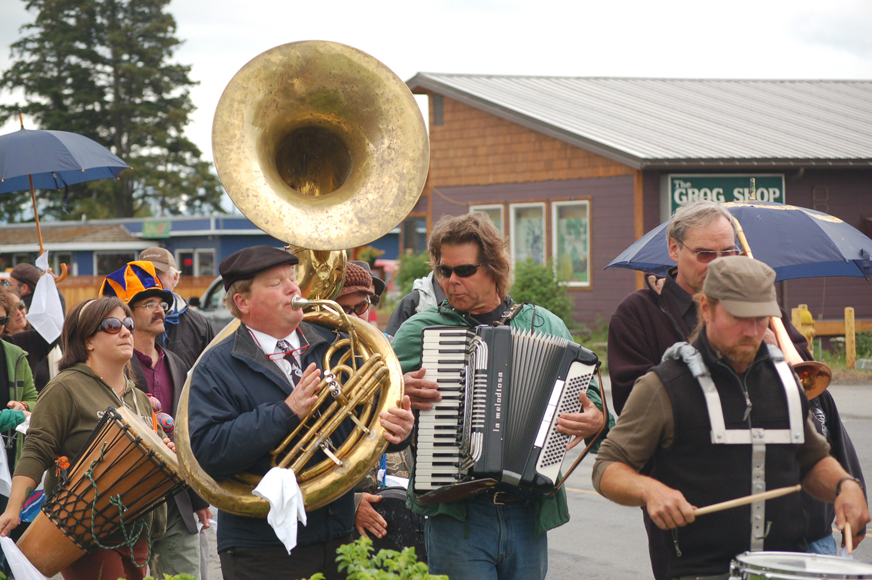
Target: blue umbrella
[
  {"x": 796, "y": 242},
  {"x": 32, "y": 159}
]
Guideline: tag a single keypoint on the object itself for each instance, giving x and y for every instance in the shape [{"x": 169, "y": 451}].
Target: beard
[{"x": 739, "y": 356}]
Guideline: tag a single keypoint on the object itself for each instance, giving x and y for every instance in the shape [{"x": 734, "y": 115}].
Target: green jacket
[
  {"x": 21, "y": 388},
  {"x": 68, "y": 410},
  {"x": 551, "y": 511}
]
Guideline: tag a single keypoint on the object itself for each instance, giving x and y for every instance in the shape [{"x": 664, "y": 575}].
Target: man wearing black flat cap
[{"x": 248, "y": 393}]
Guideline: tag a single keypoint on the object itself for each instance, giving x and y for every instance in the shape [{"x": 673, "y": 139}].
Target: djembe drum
[{"x": 121, "y": 473}]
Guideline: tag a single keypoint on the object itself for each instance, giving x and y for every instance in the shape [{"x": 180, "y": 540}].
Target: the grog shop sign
[{"x": 723, "y": 188}]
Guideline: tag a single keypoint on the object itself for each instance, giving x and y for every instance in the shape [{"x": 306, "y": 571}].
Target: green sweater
[
  {"x": 68, "y": 410},
  {"x": 407, "y": 343},
  {"x": 21, "y": 388}
]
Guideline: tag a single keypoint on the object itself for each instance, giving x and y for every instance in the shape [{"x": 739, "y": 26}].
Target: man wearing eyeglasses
[
  {"x": 161, "y": 374},
  {"x": 649, "y": 321},
  {"x": 496, "y": 534},
  {"x": 250, "y": 391}
]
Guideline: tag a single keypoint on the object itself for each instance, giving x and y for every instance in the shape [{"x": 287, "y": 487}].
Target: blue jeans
[
  {"x": 826, "y": 545},
  {"x": 496, "y": 543}
]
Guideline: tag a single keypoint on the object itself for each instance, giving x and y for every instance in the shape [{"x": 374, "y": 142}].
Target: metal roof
[{"x": 681, "y": 122}]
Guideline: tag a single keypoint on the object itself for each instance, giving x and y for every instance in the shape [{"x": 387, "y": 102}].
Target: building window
[
  {"x": 494, "y": 212},
  {"x": 571, "y": 241},
  {"x": 107, "y": 262},
  {"x": 196, "y": 262},
  {"x": 59, "y": 258},
  {"x": 413, "y": 235},
  {"x": 528, "y": 232}
]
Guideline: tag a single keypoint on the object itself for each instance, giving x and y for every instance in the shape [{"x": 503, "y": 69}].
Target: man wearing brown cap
[
  {"x": 650, "y": 320},
  {"x": 724, "y": 418},
  {"x": 23, "y": 279},
  {"x": 248, "y": 393},
  {"x": 188, "y": 333}
]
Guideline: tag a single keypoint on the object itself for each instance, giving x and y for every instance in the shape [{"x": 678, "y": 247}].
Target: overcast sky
[{"x": 784, "y": 39}]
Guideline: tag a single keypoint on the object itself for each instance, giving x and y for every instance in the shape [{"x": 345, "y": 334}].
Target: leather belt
[{"x": 501, "y": 497}]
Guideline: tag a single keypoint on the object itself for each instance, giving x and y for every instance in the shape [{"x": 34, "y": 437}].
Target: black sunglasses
[
  {"x": 4, "y": 320},
  {"x": 464, "y": 271},
  {"x": 113, "y": 325},
  {"x": 360, "y": 309}
]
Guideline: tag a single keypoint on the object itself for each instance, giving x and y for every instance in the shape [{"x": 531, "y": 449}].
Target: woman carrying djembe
[{"x": 97, "y": 344}]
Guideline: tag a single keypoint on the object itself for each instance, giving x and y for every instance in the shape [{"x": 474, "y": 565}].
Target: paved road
[{"x": 605, "y": 541}]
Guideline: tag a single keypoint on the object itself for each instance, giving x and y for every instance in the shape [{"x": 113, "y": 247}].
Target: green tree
[
  {"x": 411, "y": 267},
  {"x": 101, "y": 68},
  {"x": 537, "y": 284}
]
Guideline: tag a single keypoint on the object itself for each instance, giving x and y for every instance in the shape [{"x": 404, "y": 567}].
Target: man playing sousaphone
[{"x": 248, "y": 393}]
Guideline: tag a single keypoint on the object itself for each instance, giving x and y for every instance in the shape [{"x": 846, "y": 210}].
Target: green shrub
[
  {"x": 410, "y": 268},
  {"x": 360, "y": 564},
  {"x": 537, "y": 284}
]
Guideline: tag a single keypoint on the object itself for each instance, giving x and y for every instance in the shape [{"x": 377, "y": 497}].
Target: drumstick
[
  {"x": 849, "y": 537},
  {"x": 725, "y": 505}
]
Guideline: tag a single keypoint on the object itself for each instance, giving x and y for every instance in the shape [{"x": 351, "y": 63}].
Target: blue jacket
[{"x": 238, "y": 414}]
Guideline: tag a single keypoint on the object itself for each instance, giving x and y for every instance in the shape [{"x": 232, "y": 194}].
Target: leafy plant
[
  {"x": 369, "y": 254},
  {"x": 359, "y": 563},
  {"x": 410, "y": 268},
  {"x": 537, "y": 284}
]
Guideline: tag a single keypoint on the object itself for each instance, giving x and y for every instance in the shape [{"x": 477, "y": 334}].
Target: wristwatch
[{"x": 849, "y": 478}]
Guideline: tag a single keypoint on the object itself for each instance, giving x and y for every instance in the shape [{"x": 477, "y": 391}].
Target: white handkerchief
[
  {"x": 45, "y": 312},
  {"x": 23, "y": 427},
  {"x": 22, "y": 569},
  {"x": 286, "y": 506}
]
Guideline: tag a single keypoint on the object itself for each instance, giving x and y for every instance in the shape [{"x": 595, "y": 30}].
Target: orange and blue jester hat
[{"x": 135, "y": 281}]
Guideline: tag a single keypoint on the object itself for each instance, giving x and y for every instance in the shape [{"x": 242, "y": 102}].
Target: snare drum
[
  {"x": 796, "y": 566},
  {"x": 405, "y": 527},
  {"x": 124, "y": 470}
]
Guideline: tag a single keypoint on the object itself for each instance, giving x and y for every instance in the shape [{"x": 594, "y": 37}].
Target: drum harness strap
[{"x": 757, "y": 438}]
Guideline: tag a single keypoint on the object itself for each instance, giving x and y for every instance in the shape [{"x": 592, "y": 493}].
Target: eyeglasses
[
  {"x": 113, "y": 325},
  {"x": 359, "y": 309},
  {"x": 4, "y": 320},
  {"x": 464, "y": 271},
  {"x": 706, "y": 256},
  {"x": 152, "y": 305},
  {"x": 22, "y": 306}
]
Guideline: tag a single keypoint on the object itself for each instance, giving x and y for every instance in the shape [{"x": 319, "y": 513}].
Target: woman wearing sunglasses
[{"x": 97, "y": 344}]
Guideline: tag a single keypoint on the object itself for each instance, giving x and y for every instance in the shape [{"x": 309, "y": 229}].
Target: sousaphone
[{"x": 323, "y": 147}]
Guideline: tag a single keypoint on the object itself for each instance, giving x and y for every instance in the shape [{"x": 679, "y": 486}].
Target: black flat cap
[{"x": 250, "y": 262}]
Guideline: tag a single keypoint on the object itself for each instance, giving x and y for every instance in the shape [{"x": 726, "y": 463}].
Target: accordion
[{"x": 502, "y": 390}]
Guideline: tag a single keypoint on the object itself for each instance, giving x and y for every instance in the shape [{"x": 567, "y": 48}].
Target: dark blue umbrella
[
  {"x": 796, "y": 242},
  {"x": 50, "y": 160},
  {"x": 53, "y": 159}
]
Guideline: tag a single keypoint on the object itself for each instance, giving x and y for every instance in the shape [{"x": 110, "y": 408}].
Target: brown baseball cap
[
  {"x": 161, "y": 258},
  {"x": 745, "y": 287},
  {"x": 26, "y": 274}
]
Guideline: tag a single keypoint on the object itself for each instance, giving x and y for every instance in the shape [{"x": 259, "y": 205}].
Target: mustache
[{"x": 157, "y": 317}]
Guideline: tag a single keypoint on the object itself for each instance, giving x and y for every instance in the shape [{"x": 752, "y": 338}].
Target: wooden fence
[{"x": 78, "y": 288}]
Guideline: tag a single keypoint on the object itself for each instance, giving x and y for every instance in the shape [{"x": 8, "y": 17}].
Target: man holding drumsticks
[{"x": 721, "y": 419}]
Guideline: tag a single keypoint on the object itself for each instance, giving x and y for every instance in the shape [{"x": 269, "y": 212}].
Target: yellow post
[
  {"x": 803, "y": 321},
  {"x": 850, "y": 339}
]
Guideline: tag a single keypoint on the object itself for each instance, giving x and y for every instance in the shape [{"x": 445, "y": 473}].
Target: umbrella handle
[{"x": 63, "y": 275}]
